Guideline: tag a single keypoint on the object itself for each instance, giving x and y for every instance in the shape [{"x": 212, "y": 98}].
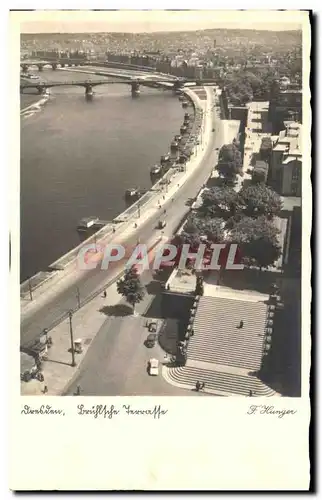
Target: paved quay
[
  {"x": 96, "y": 328},
  {"x": 114, "y": 358},
  {"x": 59, "y": 295}
]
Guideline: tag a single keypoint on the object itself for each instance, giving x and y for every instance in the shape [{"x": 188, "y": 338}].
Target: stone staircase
[
  {"x": 216, "y": 336},
  {"x": 232, "y": 351},
  {"x": 229, "y": 384}
]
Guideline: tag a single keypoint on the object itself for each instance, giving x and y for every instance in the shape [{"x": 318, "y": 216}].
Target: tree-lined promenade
[{"x": 245, "y": 217}]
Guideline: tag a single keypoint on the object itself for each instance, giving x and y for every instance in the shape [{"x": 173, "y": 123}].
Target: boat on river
[
  {"x": 174, "y": 145},
  {"x": 156, "y": 170},
  {"x": 132, "y": 193},
  {"x": 165, "y": 159}
]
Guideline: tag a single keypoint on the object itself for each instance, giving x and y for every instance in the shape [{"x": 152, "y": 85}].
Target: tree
[
  {"x": 130, "y": 287},
  {"x": 232, "y": 221},
  {"x": 230, "y": 162},
  {"x": 196, "y": 227},
  {"x": 219, "y": 202},
  {"x": 256, "y": 200},
  {"x": 230, "y": 152},
  {"x": 259, "y": 175},
  {"x": 257, "y": 241},
  {"x": 245, "y": 85},
  {"x": 239, "y": 90},
  {"x": 189, "y": 236},
  {"x": 266, "y": 149}
]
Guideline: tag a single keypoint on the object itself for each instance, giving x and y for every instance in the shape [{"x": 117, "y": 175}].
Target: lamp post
[
  {"x": 95, "y": 243},
  {"x": 139, "y": 210},
  {"x": 78, "y": 297},
  {"x": 30, "y": 289},
  {"x": 70, "y": 314}
]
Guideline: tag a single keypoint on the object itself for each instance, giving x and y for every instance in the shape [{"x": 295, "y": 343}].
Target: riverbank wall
[{"x": 66, "y": 261}]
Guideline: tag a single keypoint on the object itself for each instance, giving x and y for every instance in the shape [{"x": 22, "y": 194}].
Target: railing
[
  {"x": 92, "y": 83},
  {"x": 90, "y": 297},
  {"x": 82, "y": 303},
  {"x": 73, "y": 310}
]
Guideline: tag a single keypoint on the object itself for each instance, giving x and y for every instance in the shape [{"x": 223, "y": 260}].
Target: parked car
[
  {"x": 153, "y": 326},
  {"x": 30, "y": 368},
  {"x": 153, "y": 366},
  {"x": 161, "y": 224},
  {"x": 151, "y": 340}
]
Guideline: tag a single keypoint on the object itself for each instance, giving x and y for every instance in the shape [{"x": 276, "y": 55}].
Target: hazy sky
[{"x": 150, "y": 21}]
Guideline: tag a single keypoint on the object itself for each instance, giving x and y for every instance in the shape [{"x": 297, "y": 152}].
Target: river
[{"x": 78, "y": 157}]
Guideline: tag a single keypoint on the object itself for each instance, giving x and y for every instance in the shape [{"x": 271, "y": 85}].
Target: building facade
[
  {"x": 286, "y": 161},
  {"x": 285, "y": 104}
]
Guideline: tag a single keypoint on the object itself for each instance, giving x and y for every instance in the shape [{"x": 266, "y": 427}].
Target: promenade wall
[{"x": 68, "y": 259}]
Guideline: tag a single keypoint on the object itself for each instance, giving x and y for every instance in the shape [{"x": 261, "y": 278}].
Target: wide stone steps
[
  {"x": 238, "y": 385},
  {"x": 241, "y": 362},
  {"x": 215, "y": 322},
  {"x": 217, "y": 338},
  {"x": 226, "y": 351}
]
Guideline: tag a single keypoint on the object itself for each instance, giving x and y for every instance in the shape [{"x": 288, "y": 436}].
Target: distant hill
[
  {"x": 170, "y": 41},
  {"x": 247, "y": 33}
]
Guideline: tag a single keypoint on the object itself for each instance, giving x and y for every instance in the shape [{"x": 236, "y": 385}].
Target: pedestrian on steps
[
  {"x": 104, "y": 294},
  {"x": 198, "y": 386},
  {"x": 241, "y": 324}
]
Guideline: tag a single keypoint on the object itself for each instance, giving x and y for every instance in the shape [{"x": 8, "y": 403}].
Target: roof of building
[
  {"x": 291, "y": 202},
  {"x": 182, "y": 281},
  {"x": 261, "y": 164},
  {"x": 291, "y": 91},
  {"x": 291, "y": 158},
  {"x": 289, "y": 140},
  {"x": 280, "y": 147}
]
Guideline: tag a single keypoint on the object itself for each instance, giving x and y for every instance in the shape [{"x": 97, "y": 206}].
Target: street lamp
[
  {"x": 78, "y": 297},
  {"x": 30, "y": 288},
  {"x": 70, "y": 314},
  {"x": 139, "y": 210},
  {"x": 45, "y": 332}
]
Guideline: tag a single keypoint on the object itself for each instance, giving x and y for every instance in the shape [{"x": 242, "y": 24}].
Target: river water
[{"x": 78, "y": 157}]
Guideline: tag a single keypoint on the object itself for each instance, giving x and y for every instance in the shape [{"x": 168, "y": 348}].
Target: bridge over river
[{"x": 134, "y": 82}]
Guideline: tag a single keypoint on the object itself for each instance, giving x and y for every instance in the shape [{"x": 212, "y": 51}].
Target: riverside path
[{"x": 60, "y": 297}]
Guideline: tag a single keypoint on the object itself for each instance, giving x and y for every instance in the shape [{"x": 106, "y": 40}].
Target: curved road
[{"x": 37, "y": 320}]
